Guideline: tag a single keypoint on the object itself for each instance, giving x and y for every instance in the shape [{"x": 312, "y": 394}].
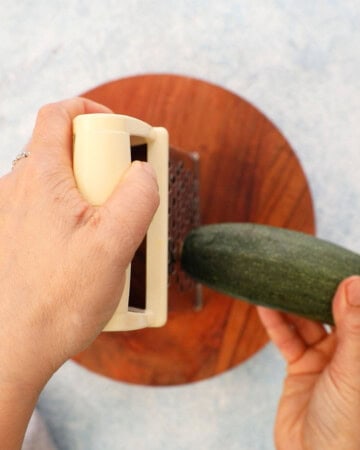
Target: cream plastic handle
[{"x": 101, "y": 155}]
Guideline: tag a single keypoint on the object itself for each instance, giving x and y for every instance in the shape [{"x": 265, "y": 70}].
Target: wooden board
[{"x": 248, "y": 173}]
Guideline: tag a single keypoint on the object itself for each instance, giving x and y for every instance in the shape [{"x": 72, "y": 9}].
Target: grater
[{"x": 104, "y": 146}]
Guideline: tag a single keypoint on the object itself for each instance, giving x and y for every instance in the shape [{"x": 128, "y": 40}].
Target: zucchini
[{"x": 274, "y": 267}]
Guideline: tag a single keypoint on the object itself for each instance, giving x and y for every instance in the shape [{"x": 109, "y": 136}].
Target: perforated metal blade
[{"x": 184, "y": 215}]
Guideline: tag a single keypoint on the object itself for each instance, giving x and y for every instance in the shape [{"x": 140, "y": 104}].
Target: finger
[
  {"x": 311, "y": 332},
  {"x": 346, "y": 310},
  {"x": 131, "y": 206},
  {"x": 283, "y": 334},
  {"x": 53, "y": 128}
]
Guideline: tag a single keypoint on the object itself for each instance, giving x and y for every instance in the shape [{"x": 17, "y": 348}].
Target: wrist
[
  {"x": 23, "y": 375},
  {"x": 17, "y": 403},
  {"x": 24, "y": 367}
]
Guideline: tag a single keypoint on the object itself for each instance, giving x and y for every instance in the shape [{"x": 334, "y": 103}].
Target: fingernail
[
  {"x": 146, "y": 166},
  {"x": 353, "y": 291}
]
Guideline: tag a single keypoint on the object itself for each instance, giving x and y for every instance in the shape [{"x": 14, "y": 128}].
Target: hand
[
  {"x": 320, "y": 404},
  {"x": 62, "y": 261}
]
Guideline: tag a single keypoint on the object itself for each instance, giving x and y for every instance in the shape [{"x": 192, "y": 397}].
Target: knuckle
[
  {"x": 48, "y": 110},
  {"x": 91, "y": 216},
  {"x": 352, "y": 327},
  {"x": 343, "y": 383}
]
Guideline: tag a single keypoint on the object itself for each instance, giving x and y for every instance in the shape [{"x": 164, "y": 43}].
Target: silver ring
[{"x": 20, "y": 156}]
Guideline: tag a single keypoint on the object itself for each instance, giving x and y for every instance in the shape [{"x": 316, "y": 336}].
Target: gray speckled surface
[{"x": 298, "y": 62}]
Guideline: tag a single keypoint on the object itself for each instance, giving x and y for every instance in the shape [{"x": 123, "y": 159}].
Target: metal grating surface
[{"x": 184, "y": 211}]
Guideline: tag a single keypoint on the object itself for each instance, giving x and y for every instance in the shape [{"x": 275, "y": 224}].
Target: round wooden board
[{"x": 248, "y": 173}]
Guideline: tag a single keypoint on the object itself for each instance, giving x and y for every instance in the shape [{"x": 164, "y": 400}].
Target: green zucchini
[{"x": 274, "y": 267}]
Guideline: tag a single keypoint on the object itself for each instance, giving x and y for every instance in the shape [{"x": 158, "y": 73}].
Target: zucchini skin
[{"x": 274, "y": 267}]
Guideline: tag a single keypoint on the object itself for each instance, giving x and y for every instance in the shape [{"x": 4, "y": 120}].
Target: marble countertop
[{"x": 299, "y": 63}]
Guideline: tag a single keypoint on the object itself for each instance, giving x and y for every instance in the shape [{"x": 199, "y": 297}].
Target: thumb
[
  {"x": 346, "y": 311},
  {"x": 132, "y": 206}
]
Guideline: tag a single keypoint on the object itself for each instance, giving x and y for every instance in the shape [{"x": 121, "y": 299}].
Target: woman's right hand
[{"x": 62, "y": 260}]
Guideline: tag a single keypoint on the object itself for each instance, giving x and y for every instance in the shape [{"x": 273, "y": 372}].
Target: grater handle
[
  {"x": 157, "y": 235},
  {"x": 101, "y": 155}
]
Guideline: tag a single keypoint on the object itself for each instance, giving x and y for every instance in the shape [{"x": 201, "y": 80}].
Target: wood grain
[{"x": 248, "y": 173}]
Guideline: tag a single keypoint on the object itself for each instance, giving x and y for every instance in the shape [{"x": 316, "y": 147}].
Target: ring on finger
[{"x": 19, "y": 157}]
